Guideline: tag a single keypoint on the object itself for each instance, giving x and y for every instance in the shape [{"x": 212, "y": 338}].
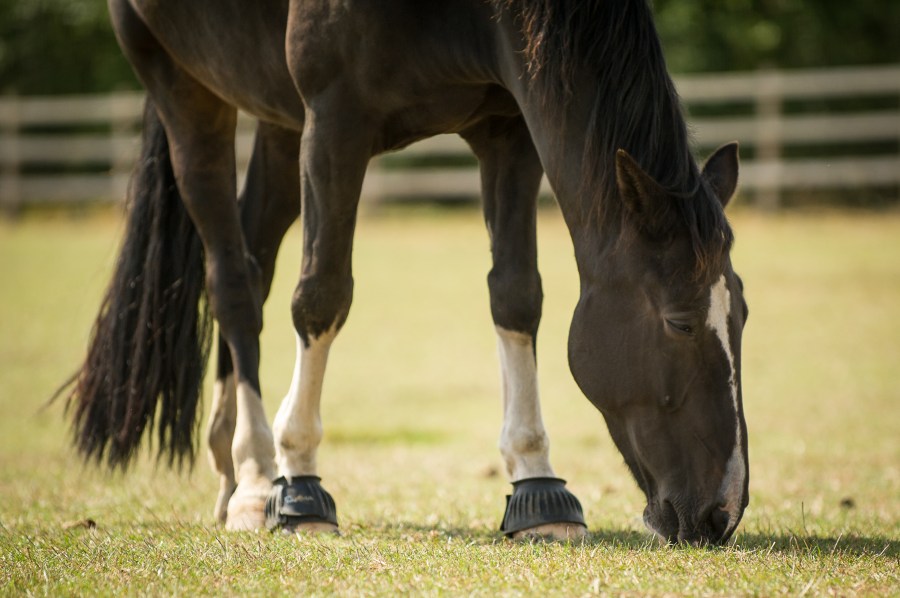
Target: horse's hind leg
[
  {"x": 269, "y": 204},
  {"x": 200, "y": 129},
  {"x": 511, "y": 174}
]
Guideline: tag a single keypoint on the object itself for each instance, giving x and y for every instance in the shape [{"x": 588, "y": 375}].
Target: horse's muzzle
[{"x": 709, "y": 527}]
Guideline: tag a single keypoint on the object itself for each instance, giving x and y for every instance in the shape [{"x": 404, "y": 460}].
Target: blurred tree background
[
  {"x": 67, "y": 46},
  {"x": 724, "y": 35},
  {"x": 59, "y": 46}
]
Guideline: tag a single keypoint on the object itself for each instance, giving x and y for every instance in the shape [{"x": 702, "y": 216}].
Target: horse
[{"x": 574, "y": 89}]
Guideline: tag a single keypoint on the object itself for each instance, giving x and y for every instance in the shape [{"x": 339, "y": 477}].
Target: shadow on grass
[
  {"x": 626, "y": 540},
  {"x": 631, "y": 540},
  {"x": 785, "y": 543},
  {"x": 751, "y": 542},
  {"x": 819, "y": 546}
]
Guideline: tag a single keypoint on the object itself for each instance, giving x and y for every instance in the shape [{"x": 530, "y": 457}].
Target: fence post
[
  {"x": 10, "y": 160},
  {"x": 121, "y": 140},
  {"x": 897, "y": 179},
  {"x": 768, "y": 148}
]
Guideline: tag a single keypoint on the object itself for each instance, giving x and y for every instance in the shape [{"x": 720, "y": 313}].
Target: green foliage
[
  {"x": 67, "y": 46},
  {"x": 59, "y": 46},
  {"x": 719, "y": 35}
]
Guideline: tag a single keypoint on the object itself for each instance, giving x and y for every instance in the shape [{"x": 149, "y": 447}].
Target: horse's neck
[
  {"x": 579, "y": 155},
  {"x": 578, "y": 150}
]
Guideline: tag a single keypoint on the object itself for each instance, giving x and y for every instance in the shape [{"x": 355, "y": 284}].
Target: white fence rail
[{"x": 50, "y": 150}]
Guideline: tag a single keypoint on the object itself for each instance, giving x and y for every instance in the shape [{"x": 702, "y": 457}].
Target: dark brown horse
[{"x": 574, "y": 88}]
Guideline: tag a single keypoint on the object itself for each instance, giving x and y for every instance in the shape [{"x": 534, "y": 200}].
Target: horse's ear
[
  {"x": 645, "y": 200},
  {"x": 721, "y": 171}
]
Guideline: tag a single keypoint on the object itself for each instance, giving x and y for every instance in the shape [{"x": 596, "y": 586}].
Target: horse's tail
[{"x": 150, "y": 342}]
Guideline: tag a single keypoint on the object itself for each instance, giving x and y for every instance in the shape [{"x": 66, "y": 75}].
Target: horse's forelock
[{"x": 710, "y": 234}]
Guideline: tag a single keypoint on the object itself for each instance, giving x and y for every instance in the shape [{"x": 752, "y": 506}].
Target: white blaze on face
[{"x": 732, "y": 487}]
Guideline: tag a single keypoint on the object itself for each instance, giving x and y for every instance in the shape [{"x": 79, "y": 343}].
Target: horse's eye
[{"x": 681, "y": 327}]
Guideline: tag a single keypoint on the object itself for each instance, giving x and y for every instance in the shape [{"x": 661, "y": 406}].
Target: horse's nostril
[{"x": 718, "y": 520}]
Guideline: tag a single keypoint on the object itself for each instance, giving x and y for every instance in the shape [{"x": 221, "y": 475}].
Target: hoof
[
  {"x": 246, "y": 513},
  {"x": 313, "y": 528},
  {"x": 542, "y": 508},
  {"x": 221, "y": 510},
  {"x": 300, "y": 504},
  {"x": 551, "y": 532}
]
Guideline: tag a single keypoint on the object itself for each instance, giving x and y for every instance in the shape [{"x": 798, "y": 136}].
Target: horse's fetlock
[
  {"x": 528, "y": 442},
  {"x": 293, "y": 436}
]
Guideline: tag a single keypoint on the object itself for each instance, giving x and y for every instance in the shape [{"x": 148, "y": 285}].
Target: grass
[{"x": 412, "y": 413}]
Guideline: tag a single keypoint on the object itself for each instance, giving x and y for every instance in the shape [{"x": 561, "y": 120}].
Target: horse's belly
[{"x": 449, "y": 110}]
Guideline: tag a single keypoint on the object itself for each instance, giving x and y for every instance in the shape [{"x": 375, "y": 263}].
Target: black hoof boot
[
  {"x": 540, "y": 501},
  {"x": 298, "y": 501}
]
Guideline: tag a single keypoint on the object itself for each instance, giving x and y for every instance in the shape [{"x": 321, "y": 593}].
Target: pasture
[{"x": 411, "y": 410}]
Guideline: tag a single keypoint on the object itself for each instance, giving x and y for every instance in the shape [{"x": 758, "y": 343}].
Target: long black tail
[{"x": 151, "y": 339}]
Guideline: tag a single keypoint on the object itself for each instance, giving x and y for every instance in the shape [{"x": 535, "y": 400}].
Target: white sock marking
[
  {"x": 523, "y": 440},
  {"x": 252, "y": 448},
  {"x": 220, "y": 437},
  {"x": 732, "y": 486},
  {"x": 222, "y": 417},
  {"x": 298, "y": 423}
]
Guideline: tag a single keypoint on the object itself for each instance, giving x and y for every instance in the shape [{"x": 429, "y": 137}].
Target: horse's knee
[
  {"x": 321, "y": 303},
  {"x": 516, "y": 299}
]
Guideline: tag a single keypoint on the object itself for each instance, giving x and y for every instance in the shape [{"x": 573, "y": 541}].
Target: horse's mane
[{"x": 635, "y": 106}]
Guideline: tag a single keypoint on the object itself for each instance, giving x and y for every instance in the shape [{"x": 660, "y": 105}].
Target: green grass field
[{"x": 412, "y": 416}]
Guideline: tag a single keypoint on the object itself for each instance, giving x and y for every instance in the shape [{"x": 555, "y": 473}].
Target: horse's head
[{"x": 655, "y": 344}]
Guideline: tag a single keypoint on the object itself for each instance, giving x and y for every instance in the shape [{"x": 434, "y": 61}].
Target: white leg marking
[
  {"x": 523, "y": 440},
  {"x": 253, "y": 453},
  {"x": 732, "y": 488},
  {"x": 252, "y": 448},
  {"x": 298, "y": 423},
  {"x": 219, "y": 435}
]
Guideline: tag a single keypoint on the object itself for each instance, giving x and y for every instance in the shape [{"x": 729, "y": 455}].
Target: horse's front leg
[
  {"x": 540, "y": 505},
  {"x": 335, "y": 150},
  {"x": 269, "y": 204}
]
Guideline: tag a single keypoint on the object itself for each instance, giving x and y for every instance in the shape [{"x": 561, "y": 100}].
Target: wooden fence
[{"x": 81, "y": 148}]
